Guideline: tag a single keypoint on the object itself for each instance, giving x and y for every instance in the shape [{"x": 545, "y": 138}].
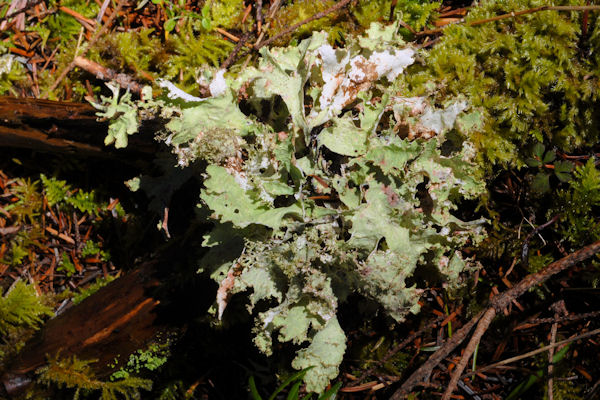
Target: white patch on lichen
[
  {"x": 218, "y": 85},
  {"x": 442, "y": 120},
  {"x": 344, "y": 78},
  {"x": 175, "y": 92},
  {"x": 391, "y": 65}
]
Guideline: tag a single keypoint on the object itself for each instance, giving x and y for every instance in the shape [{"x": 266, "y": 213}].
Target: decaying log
[
  {"x": 115, "y": 321},
  {"x": 56, "y": 126}
]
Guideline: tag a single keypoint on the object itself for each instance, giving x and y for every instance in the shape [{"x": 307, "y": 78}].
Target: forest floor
[{"x": 68, "y": 225}]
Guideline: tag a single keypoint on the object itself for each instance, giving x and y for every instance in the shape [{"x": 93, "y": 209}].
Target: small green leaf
[
  {"x": 562, "y": 170},
  {"x": 206, "y": 10},
  {"x": 549, "y": 157},
  {"x": 534, "y": 163},
  {"x": 541, "y": 183},
  {"x": 206, "y": 24},
  {"x": 298, "y": 376},
  {"x": 170, "y": 24},
  {"x": 538, "y": 150}
]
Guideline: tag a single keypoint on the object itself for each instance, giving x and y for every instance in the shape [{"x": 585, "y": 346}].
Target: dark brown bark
[
  {"x": 115, "y": 321},
  {"x": 55, "y": 126}
]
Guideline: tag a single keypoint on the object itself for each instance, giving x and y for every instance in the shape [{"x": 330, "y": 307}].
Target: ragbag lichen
[{"x": 329, "y": 182}]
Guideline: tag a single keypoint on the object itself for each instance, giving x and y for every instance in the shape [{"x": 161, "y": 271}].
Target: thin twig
[
  {"x": 92, "y": 41},
  {"x": 422, "y": 373},
  {"x": 259, "y": 19},
  {"x": 21, "y": 10},
  {"x": 103, "y": 73},
  {"x": 511, "y": 15},
  {"x": 566, "y": 318},
  {"x": 502, "y": 301},
  {"x": 533, "y": 352},
  {"x": 231, "y": 58},
  {"x": 292, "y": 28},
  {"x": 498, "y": 303},
  {"x": 482, "y": 326}
]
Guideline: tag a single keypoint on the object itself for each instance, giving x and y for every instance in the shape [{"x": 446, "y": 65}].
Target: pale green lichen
[{"x": 350, "y": 196}]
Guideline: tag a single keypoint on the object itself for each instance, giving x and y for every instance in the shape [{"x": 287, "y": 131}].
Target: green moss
[
  {"x": 59, "y": 192},
  {"x": 72, "y": 373},
  {"x": 29, "y": 201},
  {"x": 149, "y": 359},
  {"x": 91, "y": 289},
  {"x": 528, "y": 76},
  {"x": 21, "y": 307},
  {"x": 334, "y": 23},
  {"x": 226, "y": 14},
  {"x": 576, "y": 205}
]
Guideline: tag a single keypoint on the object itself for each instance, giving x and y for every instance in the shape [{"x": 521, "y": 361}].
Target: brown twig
[
  {"x": 259, "y": 19},
  {"x": 292, "y": 28},
  {"x": 87, "y": 23},
  {"x": 498, "y": 303},
  {"x": 92, "y": 41},
  {"x": 482, "y": 326},
  {"x": 103, "y": 73},
  {"x": 566, "y": 318},
  {"x": 559, "y": 308},
  {"x": 533, "y": 352},
  {"x": 231, "y": 58},
  {"x": 21, "y": 10},
  {"x": 511, "y": 15},
  {"x": 422, "y": 373},
  {"x": 502, "y": 301}
]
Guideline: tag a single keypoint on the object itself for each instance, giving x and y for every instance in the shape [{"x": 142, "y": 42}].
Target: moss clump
[
  {"x": 21, "y": 314},
  {"x": 528, "y": 75},
  {"x": 72, "y": 373}
]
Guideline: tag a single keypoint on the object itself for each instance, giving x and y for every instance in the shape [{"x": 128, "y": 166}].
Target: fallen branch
[
  {"x": 106, "y": 74},
  {"x": 502, "y": 301},
  {"x": 483, "y": 320},
  {"x": 421, "y": 375},
  {"x": 231, "y": 58}
]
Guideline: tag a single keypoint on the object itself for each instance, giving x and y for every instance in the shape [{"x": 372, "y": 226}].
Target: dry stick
[
  {"x": 498, "y": 303},
  {"x": 512, "y": 15},
  {"x": 482, "y": 326},
  {"x": 21, "y": 10},
  {"x": 272, "y": 10},
  {"x": 103, "y": 73},
  {"x": 502, "y": 301},
  {"x": 92, "y": 41},
  {"x": 235, "y": 51},
  {"x": 559, "y": 309},
  {"x": 292, "y": 28},
  {"x": 533, "y": 352},
  {"x": 566, "y": 318},
  {"x": 422, "y": 373},
  {"x": 259, "y": 19}
]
